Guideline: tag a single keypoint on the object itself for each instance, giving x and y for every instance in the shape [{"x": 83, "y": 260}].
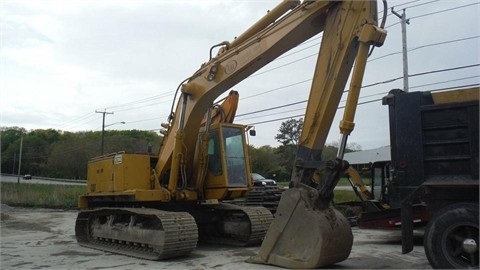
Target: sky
[{"x": 64, "y": 62}]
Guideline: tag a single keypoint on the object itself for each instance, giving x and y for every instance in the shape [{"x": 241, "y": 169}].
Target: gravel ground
[{"x": 45, "y": 239}]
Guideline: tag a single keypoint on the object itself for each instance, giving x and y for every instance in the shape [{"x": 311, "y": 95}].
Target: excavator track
[
  {"x": 267, "y": 196},
  {"x": 138, "y": 232},
  {"x": 233, "y": 224}
]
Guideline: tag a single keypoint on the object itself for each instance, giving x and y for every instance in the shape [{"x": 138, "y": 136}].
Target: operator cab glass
[
  {"x": 214, "y": 157},
  {"x": 228, "y": 146},
  {"x": 235, "y": 156}
]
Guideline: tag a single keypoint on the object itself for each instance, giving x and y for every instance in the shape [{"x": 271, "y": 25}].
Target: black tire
[{"x": 445, "y": 235}]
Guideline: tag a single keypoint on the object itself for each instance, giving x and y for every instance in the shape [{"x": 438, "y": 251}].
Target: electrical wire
[
  {"x": 360, "y": 103},
  {"x": 161, "y": 95},
  {"x": 442, "y": 11},
  {"x": 373, "y": 84},
  {"x": 433, "y": 13}
]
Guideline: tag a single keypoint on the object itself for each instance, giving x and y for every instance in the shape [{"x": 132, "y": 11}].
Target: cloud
[{"x": 65, "y": 59}]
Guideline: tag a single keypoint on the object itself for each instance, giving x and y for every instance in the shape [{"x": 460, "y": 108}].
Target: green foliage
[
  {"x": 289, "y": 132},
  {"x": 341, "y": 196},
  {"x": 265, "y": 161},
  {"x": 41, "y": 195},
  {"x": 54, "y": 153},
  {"x": 288, "y": 135},
  {"x": 63, "y": 154}
]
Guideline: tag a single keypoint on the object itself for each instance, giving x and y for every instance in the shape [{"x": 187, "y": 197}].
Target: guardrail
[{"x": 79, "y": 181}]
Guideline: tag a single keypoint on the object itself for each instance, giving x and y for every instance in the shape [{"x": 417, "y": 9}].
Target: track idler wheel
[{"x": 302, "y": 236}]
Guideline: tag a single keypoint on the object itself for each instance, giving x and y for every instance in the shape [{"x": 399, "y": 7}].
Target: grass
[
  {"x": 41, "y": 195},
  {"x": 66, "y": 196},
  {"x": 341, "y": 196}
]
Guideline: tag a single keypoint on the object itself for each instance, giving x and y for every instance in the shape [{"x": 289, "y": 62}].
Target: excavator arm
[
  {"x": 308, "y": 232},
  {"x": 349, "y": 27}
]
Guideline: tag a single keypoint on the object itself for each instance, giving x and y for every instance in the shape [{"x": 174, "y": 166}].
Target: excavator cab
[{"x": 228, "y": 175}]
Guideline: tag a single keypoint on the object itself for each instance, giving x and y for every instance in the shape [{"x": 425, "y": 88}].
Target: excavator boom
[{"x": 276, "y": 33}]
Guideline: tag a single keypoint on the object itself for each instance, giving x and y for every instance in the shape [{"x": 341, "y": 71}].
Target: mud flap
[
  {"x": 406, "y": 216},
  {"x": 303, "y": 237}
]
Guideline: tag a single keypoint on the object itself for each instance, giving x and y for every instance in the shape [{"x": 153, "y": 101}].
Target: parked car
[
  {"x": 27, "y": 176},
  {"x": 259, "y": 180}
]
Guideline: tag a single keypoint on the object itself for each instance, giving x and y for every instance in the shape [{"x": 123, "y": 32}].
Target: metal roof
[{"x": 366, "y": 156}]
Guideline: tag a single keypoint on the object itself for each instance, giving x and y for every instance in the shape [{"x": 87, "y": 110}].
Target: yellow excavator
[{"x": 158, "y": 207}]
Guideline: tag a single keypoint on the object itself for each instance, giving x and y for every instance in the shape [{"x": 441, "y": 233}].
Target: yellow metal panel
[
  {"x": 82, "y": 202},
  {"x": 225, "y": 193},
  {"x": 135, "y": 173},
  {"x": 152, "y": 195},
  {"x": 100, "y": 175},
  {"x": 335, "y": 60},
  {"x": 461, "y": 95},
  {"x": 216, "y": 181},
  {"x": 118, "y": 172}
]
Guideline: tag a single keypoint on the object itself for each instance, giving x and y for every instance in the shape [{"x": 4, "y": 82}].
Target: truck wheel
[{"x": 451, "y": 237}]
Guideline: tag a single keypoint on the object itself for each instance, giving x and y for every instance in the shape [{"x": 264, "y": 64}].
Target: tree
[
  {"x": 69, "y": 158},
  {"x": 289, "y": 132},
  {"x": 330, "y": 150},
  {"x": 53, "y": 153},
  {"x": 288, "y": 135},
  {"x": 264, "y": 161},
  {"x": 10, "y": 135},
  {"x": 10, "y": 147}
]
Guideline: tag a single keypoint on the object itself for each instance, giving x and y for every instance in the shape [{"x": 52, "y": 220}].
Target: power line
[
  {"x": 143, "y": 106},
  {"x": 365, "y": 86},
  {"x": 272, "y": 108},
  {"x": 424, "y": 46},
  {"x": 89, "y": 119},
  {"x": 453, "y": 80},
  {"x": 418, "y": 5},
  {"x": 149, "y": 119},
  {"x": 276, "y": 89},
  {"x": 308, "y": 80},
  {"x": 360, "y": 103},
  {"x": 311, "y": 55},
  {"x": 370, "y": 85},
  {"x": 76, "y": 119},
  {"x": 292, "y": 62},
  {"x": 441, "y": 11},
  {"x": 442, "y": 43},
  {"x": 164, "y": 94},
  {"x": 422, "y": 73},
  {"x": 432, "y": 13},
  {"x": 143, "y": 100}
]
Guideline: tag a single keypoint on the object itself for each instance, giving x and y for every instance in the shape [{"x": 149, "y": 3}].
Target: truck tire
[{"x": 451, "y": 237}]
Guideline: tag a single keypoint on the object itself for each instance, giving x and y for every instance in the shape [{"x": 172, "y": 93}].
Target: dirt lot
[{"x": 43, "y": 238}]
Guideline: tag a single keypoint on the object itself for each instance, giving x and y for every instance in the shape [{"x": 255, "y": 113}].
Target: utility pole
[
  {"x": 14, "y": 160},
  {"x": 20, "y": 159},
  {"x": 103, "y": 126},
  {"x": 404, "y": 21}
]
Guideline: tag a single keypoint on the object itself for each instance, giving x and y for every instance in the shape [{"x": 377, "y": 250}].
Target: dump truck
[{"x": 431, "y": 181}]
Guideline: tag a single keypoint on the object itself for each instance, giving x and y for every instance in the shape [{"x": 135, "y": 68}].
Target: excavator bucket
[{"x": 302, "y": 236}]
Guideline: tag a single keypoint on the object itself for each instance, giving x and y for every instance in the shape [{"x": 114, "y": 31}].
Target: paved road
[{"x": 43, "y": 238}]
